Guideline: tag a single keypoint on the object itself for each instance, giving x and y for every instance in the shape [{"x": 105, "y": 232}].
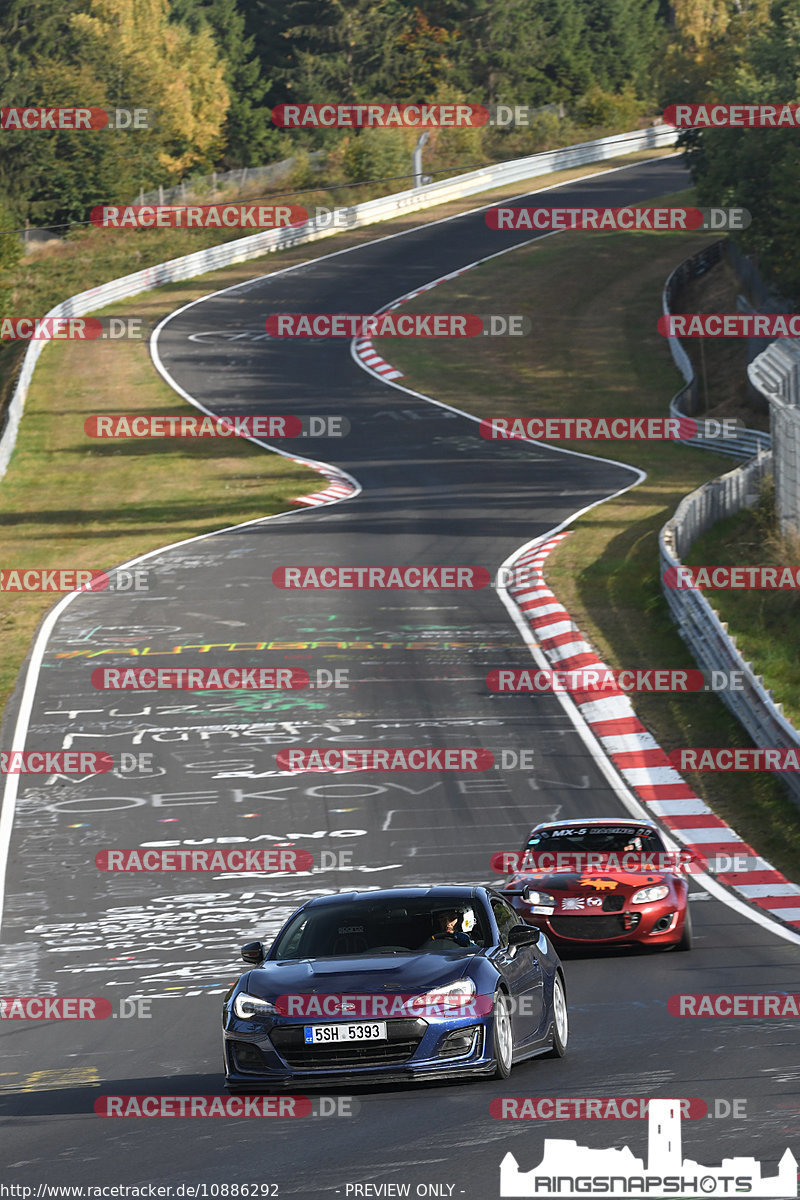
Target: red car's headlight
[{"x": 650, "y": 894}]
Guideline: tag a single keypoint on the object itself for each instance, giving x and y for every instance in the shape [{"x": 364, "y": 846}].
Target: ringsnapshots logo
[
  {"x": 733, "y": 116},
  {"x": 394, "y": 324},
  {"x": 74, "y": 120},
  {"x": 184, "y": 425},
  {"x": 609, "y": 220},
  {"x": 569, "y": 1170}
]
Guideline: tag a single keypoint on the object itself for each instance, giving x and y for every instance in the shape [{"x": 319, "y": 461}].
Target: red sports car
[{"x": 602, "y": 881}]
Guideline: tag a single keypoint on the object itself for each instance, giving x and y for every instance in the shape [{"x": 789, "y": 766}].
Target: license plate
[{"x": 355, "y": 1031}]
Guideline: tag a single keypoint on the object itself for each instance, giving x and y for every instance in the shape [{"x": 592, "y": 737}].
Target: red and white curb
[
  {"x": 339, "y": 487},
  {"x": 367, "y": 354},
  {"x": 363, "y": 349},
  {"x": 635, "y": 753}
]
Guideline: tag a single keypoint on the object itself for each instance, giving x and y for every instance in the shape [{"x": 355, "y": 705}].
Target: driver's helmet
[{"x": 468, "y": 920}]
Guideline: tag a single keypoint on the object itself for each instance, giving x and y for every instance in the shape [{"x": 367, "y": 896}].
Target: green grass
[{"x": 594, "y": 300}]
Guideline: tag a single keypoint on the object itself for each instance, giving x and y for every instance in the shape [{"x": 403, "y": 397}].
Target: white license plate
[{"x": 355, "y": 1031}]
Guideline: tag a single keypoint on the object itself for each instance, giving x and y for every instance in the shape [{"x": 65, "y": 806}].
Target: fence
[
  {"x": 776, "y": 375},
  {"x": 714, "y": 649},
  {"x": 372, "y": 211},
  {"x": 205, "y": 185}
]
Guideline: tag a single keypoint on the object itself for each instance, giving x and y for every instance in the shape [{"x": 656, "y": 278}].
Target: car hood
[
  {"x": 410, "y": 973},
  {"x": 593, "y": 883}
]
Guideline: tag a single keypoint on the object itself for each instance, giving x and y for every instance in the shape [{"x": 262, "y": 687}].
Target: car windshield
[
  {"x": 367, "y": 927},
  {"x": 597, "y": 839}
]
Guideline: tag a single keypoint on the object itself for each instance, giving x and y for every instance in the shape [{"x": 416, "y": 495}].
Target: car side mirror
[
  {"x": 254, "y": 953},
  {"x": 523, "y": 935}
]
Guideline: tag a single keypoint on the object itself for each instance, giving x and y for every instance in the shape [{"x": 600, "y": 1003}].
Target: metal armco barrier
[
  {"x": 685, "y": 402},
  {"x": 698, "y": 624},
  {"x": 411, "y": 200},
  {"x": 776, "y": 375}
]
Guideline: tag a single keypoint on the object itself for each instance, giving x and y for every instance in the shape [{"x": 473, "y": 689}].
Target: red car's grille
[{"x": 586, "y": 929}]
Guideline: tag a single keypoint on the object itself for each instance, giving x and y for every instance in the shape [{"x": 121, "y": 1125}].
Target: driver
[{"x": 447, "y": 927}]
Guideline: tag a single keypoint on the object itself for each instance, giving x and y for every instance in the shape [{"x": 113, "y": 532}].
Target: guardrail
[
  {"x": 699, "y": 625},
  {"x": 372, "y": 211},
  {"x": 685, "y": 403},
  {"x": 776, "y": 375}
]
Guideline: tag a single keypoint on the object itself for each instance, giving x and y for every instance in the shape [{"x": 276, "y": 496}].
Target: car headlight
[
  {"x": 452, "y": 997},
  {"x": 246, "y": 1007},
  {"x": 541, "y": 902},
  {"x": 649, "y": 894}
]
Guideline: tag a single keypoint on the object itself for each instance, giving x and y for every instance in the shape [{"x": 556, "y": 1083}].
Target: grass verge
[{"x": 594, "y": 300}]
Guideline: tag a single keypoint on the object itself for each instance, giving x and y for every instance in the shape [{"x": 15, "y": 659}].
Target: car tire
[
  {"x": 560, "y": 1020},
  {"x": 686, "y": 937},
  {"x": 502, "y": 1036}
]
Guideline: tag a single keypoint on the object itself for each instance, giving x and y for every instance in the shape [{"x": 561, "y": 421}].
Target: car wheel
[
  {"x": 502, "y": 1037},
  {"x": 686, "y": 937},
  {"x": 560, "y": 1020}
]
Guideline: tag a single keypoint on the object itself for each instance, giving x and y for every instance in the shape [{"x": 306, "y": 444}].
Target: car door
[{"x": 521, "y": 968}]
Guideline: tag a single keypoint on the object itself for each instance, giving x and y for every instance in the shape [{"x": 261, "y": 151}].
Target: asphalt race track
[{"x": 433, "y": 492}]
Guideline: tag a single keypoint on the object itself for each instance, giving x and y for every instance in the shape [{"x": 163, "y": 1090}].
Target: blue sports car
[{"x": 395, "y": 985}]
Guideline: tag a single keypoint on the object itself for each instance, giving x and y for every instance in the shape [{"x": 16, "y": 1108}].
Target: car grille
[
  {"x": 613, "y": 903},
  {"x": 404, "y": 1037},
  {"x": 594, "y": 928}
]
